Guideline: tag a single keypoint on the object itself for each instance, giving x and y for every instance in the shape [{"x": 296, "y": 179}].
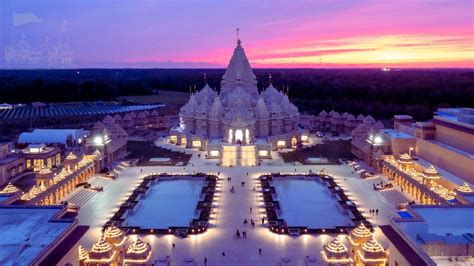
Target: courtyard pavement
[{"x": 231, "y": 210}]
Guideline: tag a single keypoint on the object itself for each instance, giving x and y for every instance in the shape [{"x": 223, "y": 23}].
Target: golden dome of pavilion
[
  {"x": 83, "y": 253},
  {"x": 430, "y": 173},
  {"x": 373, "y": 250},
  {"x": 45, "y": 171},
  {"x": 360, "y": 234},
  {"x": 464, "y": 188},
  {"x": 114, "y": 235},
  {"x": 405, "y": 159},
  {"x": 335, "y": 251},
  {"x": 138, "y": 252},
  {"x": 71, "y": 156},
  {"x": 102, "y": 251},
  {"x": 9, "y": 189}
]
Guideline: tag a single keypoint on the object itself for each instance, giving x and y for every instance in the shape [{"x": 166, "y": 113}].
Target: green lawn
[
  {"x": 145, "y": 150},
  {"x": 332, "y": 150}
]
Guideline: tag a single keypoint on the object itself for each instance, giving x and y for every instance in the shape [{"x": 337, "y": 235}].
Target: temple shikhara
[{"x": 257, "y": 122}]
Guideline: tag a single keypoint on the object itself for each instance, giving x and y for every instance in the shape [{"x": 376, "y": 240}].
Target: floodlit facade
[
  {"x": 431, "y": 161},
  {"x": 239, "y": 114},
  {"x": 10, "y": 165}
]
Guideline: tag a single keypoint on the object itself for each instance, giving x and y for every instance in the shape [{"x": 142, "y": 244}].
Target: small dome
[
  {"x": 101, "y": 250},
  {"x": 108, "y": 120},
  {"x": 202, "y": 110},
  {"x": 360, "y": 117},
  {"x": 378, "y": 125},
  {"x": 71, "y": 156},
  {"x": 335, "y": 250},
  {"x": 8, "y": 189},
  {"x": 138, "y": 250},
  {"x": 217, "y": 110},
  {"x": 141, "y": 115},
  {"x": 430, "y": 173},
  {"x": 206, "y": 94},
  {"x": 190, "y": 107},
  {"x": 45, "y": 171},
  {"x": 373, "y": 250},
  {"x": 323, "y": 113},
  {"x": 261, "y": 111},
  {"x": 83, "y": 253},
  {"x": 360, "y": 234},
  {"x": 465, "y": 188},
  {"x": 336, "y": 115},
  {"x": 275, "y": 110},
  {"x": 114, "y": 235},
  {"x": 99, "y": 126},
  {"x": 405, "y": 158},
  {"x": 271, "y": 94},
  {"x": 369, "y": 120},
  {"x": 127, "y": 117},
  {"x": 133, "y": 115}
]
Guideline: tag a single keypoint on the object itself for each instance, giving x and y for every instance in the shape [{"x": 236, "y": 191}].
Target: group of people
[
  {"x": 237, "y": 234},
  {"x": 374, "y": 212}
]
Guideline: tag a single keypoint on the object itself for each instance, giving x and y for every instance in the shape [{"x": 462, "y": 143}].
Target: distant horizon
[{"x": 223, "y": 68}]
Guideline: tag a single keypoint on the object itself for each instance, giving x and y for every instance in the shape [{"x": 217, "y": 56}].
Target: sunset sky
[{"x": 275, "y": 33}]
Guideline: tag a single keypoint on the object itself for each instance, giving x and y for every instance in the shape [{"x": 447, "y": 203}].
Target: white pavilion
[{"x": 239, "y": 125}]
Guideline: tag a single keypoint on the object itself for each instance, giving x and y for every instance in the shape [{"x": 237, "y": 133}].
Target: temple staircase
[{"x": 239, "y": 155}]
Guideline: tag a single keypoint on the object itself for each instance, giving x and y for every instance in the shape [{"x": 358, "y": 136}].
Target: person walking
[
  {"x": 263, "y": 220},
  {"x": 260, "y": 251},
  {"x": 250, "y": 209},
  {"x": 173, "y": 246},
  {"x": 244, "y": 234},
  {"x": 205, "y": 261}
]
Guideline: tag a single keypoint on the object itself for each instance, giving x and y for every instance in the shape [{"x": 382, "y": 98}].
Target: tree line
[{"x": 417, "y": 92}]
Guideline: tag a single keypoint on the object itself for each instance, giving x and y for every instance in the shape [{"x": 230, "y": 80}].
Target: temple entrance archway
[{"x": 239, "y": 136}]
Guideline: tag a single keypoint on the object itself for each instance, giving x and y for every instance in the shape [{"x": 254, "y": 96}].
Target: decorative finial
[
  {"x": 269, "y": 79},
  {"x": 205, "y": 79},
  {"x": 190, "y": 90},
  {"x": 194, "y": 87},
  {"x": 238, "y": 38}
]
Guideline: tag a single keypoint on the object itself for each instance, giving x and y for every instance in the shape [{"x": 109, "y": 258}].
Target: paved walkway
[{"x": 232, "y": 209}]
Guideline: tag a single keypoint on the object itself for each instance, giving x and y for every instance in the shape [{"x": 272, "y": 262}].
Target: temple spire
[
  {"x": 205, "y": 78},
  {"x": 238, "y": 38},
  {"x": 269, "y": 79}
]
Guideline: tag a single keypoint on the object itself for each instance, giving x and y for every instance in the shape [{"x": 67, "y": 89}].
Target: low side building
[
  {"x": 31, "y": 235},
  {"x": 10, "y": 164},
  {"x": 428, "y": 160},
  {"x": 439, "y": 235},
  {"x": 40, "y": 156}
]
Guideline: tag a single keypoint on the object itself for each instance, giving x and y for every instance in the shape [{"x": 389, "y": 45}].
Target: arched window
[
  {"x": 231, "y": 134},
  {"x": 239, "y": 135}
]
